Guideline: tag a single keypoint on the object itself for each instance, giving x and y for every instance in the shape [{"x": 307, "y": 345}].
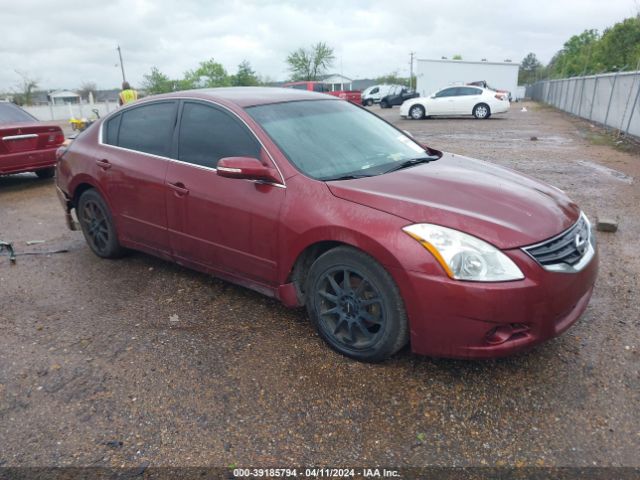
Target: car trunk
[{"x": 27, "y": 138}]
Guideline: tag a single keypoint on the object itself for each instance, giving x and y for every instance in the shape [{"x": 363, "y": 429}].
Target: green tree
[
  {"x": 157, "y": 82},
  {"x": 394, "y": 79},
  {"x": 209, "y": 74},
  {"x": 457, "y": 56},
  {"x": 576, "y": 57},
  {"x": 245, "y": 77},
  {"x": 309, "y": 63},
  {"x": 619, "y": 47},
  {"x": 530, "y": 69}
]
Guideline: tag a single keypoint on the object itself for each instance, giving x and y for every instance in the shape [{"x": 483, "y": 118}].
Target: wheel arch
[
  {"x": 80, "y": 185},
  {"x": 473, "y": 110},
  {"x": 307, "y": 252}
]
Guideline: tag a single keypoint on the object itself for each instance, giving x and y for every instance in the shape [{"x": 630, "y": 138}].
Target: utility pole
[
  {"x": 411, "y": 55},
  {"x": 124, "y": 79}
]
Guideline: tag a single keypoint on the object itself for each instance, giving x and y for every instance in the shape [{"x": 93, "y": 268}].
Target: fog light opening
[{"x": 504, "y": 333}]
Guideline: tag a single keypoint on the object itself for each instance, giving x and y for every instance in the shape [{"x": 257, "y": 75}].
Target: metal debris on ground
[
  {"x": 8, "y": 247},
  {"x": 35, "y": 242}
]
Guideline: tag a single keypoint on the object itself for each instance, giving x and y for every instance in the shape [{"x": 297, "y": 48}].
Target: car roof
[{"x": 248, "y": 96}]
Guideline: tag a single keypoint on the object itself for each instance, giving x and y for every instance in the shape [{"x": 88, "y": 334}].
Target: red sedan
[
  {"x": 318, "y": 202},
  {"x": 26, "y": 144}
]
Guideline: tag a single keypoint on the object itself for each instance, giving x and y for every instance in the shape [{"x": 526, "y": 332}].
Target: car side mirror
[{"x": 246, "y": 168}]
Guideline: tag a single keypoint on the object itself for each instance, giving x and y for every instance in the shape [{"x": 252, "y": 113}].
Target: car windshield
[
  {"x": 9, "y": 113},
  {"x": 332, "y": 139}
]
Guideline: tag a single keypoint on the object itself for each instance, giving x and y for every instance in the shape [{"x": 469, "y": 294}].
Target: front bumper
[
  {"x": 66, "y": 205},
  {"x": 457, "y": 319}
]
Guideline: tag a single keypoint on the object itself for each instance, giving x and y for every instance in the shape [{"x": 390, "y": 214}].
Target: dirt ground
[{"x": 111, "y": 363}]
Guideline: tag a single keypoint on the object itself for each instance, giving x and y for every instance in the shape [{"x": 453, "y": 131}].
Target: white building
[
  {"x": 62, "y": 97},
  {"x": 434, "y": 74},
  {"x": 338, "y": 82}
]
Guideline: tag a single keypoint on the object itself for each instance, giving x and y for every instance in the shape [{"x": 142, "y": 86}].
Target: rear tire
[
  {"x": 97, "y": 225},
  {"x": 481, "y": 111},
  {"x": 355, "y": 305},
  {"x": 46, "y": 172},
  {"x": 369, "y": 102},
  {"x": 416, "y": 112}
]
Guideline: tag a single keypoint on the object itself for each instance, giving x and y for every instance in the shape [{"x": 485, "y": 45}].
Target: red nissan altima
[{"x": 317, "y": 202}]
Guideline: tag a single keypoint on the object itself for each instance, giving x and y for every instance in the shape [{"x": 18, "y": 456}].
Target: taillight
[
  {"x": 60, "y": 152},
  {"x": 56, "y": 138}
]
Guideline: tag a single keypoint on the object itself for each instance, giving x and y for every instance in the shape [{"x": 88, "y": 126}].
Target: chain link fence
[{"x": 609, "y": 99}]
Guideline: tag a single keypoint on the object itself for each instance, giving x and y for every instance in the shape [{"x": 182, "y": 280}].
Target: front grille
[{"x": 568, "y": 248}]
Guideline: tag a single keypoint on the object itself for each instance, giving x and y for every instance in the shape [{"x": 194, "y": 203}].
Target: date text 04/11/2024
[{"x": 314, "y": 472}]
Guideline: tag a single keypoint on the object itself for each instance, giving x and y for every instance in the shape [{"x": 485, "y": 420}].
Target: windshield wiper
[
  {"x": 349, "y": 176},
  {"x": 411, "y": 162}
]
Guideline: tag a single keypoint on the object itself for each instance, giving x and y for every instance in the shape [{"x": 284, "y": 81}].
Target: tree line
[{"x": 616, "y": 49}]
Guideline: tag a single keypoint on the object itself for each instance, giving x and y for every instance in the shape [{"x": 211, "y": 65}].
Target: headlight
[{"x": 464, "y": 257}]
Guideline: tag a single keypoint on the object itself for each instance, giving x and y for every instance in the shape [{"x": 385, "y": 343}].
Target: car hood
[{"x": 496, "y": 204}]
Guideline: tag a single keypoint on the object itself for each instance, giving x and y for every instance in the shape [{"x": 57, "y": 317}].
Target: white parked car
[{"x": 456, "y": 100}]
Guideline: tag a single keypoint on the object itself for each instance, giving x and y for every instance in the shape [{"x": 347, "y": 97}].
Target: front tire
[
  {"x": 355, "y": 305},
  {"x": 97, "y": 225},
  {"x": 46, "y": 172},
  {"x": 416, "y": 112},
  {"x": 384, "y": 104},
  {"x": 481, "y": 111}
]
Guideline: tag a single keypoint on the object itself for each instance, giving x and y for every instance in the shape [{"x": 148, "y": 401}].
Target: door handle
[
  {"x": 103, "y": 164},
  {"x": 179, "y": 188}
]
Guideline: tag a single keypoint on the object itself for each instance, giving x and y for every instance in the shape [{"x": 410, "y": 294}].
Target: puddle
[
  {"x": 503, "y": 137},
  {"x": 623, "y": 177}
]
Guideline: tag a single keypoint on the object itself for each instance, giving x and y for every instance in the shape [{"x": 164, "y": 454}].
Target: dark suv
[{"x": 397, "y": 96}]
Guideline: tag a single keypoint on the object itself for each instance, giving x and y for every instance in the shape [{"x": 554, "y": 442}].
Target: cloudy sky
[{"x": 65, "y": 43}]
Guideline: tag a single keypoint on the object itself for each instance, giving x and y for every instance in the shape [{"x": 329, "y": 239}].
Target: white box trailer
[{"x": 433, "y": 75}]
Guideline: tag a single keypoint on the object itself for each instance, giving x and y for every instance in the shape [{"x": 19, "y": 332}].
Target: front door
[
  {"x": 218, "y": 223},
  {"x": 443, "y": 102}
]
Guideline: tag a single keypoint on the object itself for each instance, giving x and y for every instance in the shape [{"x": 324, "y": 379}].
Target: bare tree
[
  {"x": 86, "y": 88},
  {"x": 24, "y": 90},
  {"x": 310, "y": 63}
]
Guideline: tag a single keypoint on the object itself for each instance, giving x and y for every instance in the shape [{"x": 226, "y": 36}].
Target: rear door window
[
  {"x": 148, "y": 128},
  {"x": 111, "y": 130},
  {"x": 469, "y": 91},
  {"x": 208, "y": 134}
]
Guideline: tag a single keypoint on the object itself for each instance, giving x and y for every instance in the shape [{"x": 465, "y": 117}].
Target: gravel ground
[{"x": 112, "y": 363}]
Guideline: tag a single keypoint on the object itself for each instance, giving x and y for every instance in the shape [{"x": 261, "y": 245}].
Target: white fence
[
  {"x": 65, "y": 112},
  {"x": 610, "y": 99}
]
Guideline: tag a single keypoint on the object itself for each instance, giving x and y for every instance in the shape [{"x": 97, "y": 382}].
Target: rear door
[
  {"x": 132, "y": 164},
  {"x": 468, "y": 98},
  {"x": 218, "y": 223}
]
